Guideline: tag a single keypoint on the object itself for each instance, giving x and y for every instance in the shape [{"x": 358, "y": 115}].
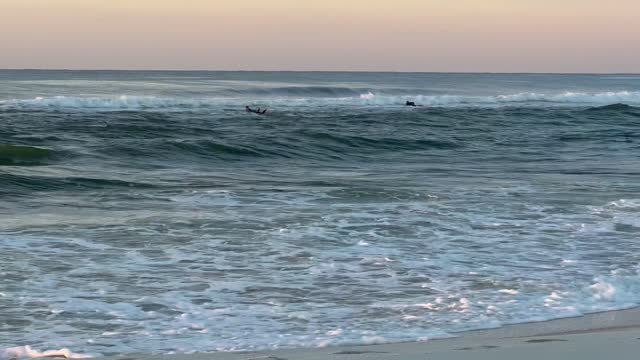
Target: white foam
[
  {"x": 509, "y": 291},
  {"x": 26, "y": 352},
  {"x": 448, "y": 304},
  {"x": 530, "y": 99},
  {"x": 142, "y": 102},
  {"x": 367, "y": 96},
  {"x": 630, "y": 204},
  {"x": 428, "y": 306},
  {"x": 111, "y": 333},
  {"x": 116, "y": 102},
  {"x": 602, "y": 290},
  {"x": 373, "y": 340}
]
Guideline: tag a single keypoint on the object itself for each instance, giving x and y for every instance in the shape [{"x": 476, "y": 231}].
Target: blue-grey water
[{"x": 147, "y": 212}]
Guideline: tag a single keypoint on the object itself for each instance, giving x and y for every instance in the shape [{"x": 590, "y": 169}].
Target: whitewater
[{"x": 147, "y": 212}]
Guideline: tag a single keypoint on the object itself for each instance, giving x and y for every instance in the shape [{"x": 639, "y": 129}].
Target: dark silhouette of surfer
[
  {"x": 411, "y": 103},
  {"x": 258, "y": 111}
]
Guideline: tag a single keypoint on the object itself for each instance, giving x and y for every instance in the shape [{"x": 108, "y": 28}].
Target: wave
[
  {"x": 122, "y": 102},
  {"x": 368, "y": 144},
  {"x": 13, "y": 184},
  {"x": 23, "y": 352},
  {"x": 304, "y": 145},
  {"x": 212, "y": 148},
  {"x": 613, "y": 107},
  {"x": 15, "y": 155},
  {"x": 297, "y": 91},
  {"x": 310, "y": 97},
  {"x": 519, "y": 99},
  {"x": 300, "y": 145}
]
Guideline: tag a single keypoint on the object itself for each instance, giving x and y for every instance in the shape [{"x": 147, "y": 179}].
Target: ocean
[{"x": 148, "y": 212}]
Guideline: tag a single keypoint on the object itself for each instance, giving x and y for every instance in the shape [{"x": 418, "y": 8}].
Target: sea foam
[
  {"x": 26, "y": 352},
  {"x": 137, "y": 102}
]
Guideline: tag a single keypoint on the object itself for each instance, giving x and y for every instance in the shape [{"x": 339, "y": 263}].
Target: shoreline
[
  {"x": 592, "y": 336},
  {"x": 596, "y": 322}
]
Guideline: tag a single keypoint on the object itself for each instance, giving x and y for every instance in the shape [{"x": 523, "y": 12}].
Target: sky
[{"x": 333, "y": 35}]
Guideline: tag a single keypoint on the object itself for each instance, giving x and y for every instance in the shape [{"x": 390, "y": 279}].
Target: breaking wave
[{"x": 321, "y": 97}]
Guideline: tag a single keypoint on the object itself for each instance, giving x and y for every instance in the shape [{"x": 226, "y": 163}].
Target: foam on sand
[
  {"x": 26, "y": 352},
  {"x": 592, "y": 337}
]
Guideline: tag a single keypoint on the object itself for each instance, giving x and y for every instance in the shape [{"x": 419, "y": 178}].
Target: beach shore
[{"x": 613, "y": 334}]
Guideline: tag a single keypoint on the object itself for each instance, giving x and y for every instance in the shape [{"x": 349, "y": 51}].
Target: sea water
[{"x": 148, "y": 212}]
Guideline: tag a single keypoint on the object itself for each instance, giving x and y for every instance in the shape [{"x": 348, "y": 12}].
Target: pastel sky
[{"x": 354, "y": 35}]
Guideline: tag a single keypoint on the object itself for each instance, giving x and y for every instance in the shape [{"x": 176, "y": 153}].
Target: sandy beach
[{"x": 614, "y": 334}]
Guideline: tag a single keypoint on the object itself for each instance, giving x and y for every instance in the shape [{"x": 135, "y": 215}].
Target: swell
[
  {"x": 299, "y": 91},
  {"x": 364, "y": 143},
  {"x": 160, "y": 140},
  {"x": 215, "y": 149},
  {"x": 305, "y": 145},
  {"x": 617, "y": 107},
  {"x": 20, "y": 155},
  {"x": 15, "y": 184}
]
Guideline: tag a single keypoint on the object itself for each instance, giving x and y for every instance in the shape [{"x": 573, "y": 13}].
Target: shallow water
[{"x": 160, "y": 217}]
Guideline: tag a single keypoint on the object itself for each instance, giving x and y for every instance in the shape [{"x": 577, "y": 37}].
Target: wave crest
[
  {"x": 22, "y": 155},
  {"x": 321, "y": 99}
]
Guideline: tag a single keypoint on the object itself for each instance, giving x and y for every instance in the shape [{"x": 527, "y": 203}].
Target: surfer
[
  {"x": 258, "y": 111},
  {"x": 411, "y": 103}
]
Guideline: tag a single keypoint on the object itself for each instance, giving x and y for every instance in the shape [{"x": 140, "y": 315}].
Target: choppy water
[{"x": 145, "y": 211}]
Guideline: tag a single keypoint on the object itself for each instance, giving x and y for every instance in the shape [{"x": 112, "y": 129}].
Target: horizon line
[{"x": 330, "y": 71}]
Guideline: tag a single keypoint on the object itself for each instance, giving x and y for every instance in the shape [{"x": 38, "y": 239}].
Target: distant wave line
[{"x": 143, "y": 102}]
